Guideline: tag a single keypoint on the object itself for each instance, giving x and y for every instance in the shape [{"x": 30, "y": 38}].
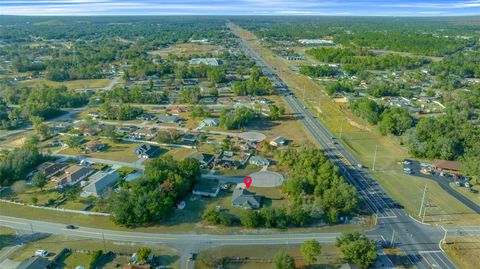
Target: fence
[{"x": 57, "y": 209}]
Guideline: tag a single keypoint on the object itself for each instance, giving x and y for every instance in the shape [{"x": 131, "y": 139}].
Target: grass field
[
  {"x": 115, "y": 151},
  {"x": 362, "y": 138},
  {"x": 72, "y": 84},
  {"x": 464, "y": 251},
  {"x": 260, "y": 257},
  {"x": 186, "y": 49},
  {"x": 55, "y": 243}
]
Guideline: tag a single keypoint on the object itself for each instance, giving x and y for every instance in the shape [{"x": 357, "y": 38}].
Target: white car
[{"x": 41, "y": 253}]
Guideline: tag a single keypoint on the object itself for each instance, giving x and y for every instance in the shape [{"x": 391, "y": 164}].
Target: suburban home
[
  {"x": 204, "y": 189},
  {"x": 36, "y": 262},
  {"x": 73, "y": 175},
  {"x": 51, "y": 169},
  {"x": 144, "y": 133},
  {"x": 147, "y": 151},
  {"x": 449, "y": 166},
  {"x": 264, "y": 101},
  {"x": 99, "y": 182},
  {"x": 259, "y": 161},
  {"x": 205, "y": 159},
  {"x": 208, "y": 123},
  {"x": 95, "y": 146},
  {"x": 279, "y": 141},
  {"x": 190, "y": 138},
  {"x": 205, "y": 61},
  {"x": 94, "y": 114},
  {"x": 146, "y": 117},
  {"x": 178, "y": 110},
  {"x": 167, "y": 118},
  {"x": 247, "y": 145},
  {"x": 243, "y": 198}
]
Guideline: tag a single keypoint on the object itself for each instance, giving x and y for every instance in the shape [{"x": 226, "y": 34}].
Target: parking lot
[{"x": 415, "y": 168}]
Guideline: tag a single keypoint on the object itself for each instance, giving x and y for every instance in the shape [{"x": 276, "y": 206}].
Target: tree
[
  {"x": 357, "y": 249},
  {"x": 282, "y": 260},
  {"x": 73, "y": 141},
  {"x": 310, "y": 249},
  {"x": 40, "y": 127},
  {"x": 39, "y": 180},
  {"x": 250, "y": 219},
  {"x": 143, "y": 253},
  {"x": 110, "y": 131}
]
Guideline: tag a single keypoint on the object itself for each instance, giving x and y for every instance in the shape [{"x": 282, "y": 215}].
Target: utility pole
[
  {"x": 341, "y": 128},
  {"x": 104, "y": 245},
  {"x": 422, "y": 204},
  {"x": 31, "y": 228},
  {"x": 374, "y": 157}
]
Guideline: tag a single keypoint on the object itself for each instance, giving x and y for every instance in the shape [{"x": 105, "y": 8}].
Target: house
[
  {"x": 205, "y": 159},
  {"x": 259, "y": 161},
  {"x": 51, "y": 169},
  {"x": 95, "y": 146},
  {"x": 178, "y": 110},
  {"x": 147, "y": 151},
  {"x": 36, "y": 262},
  {"x": 146, "y": 117},
  {"x": 243, "y": 198},
  {"x": 94, "y": 115},
  {"x": 208, "y": 123},
  {"x": 73, "y": 175},
  {"x": 205, "y": 61},
  {"x": 279, "y": 141},
  {"x": 207, "y": 189},
  {"x": 246, "y": 145},
  {"x": 99, "y": 182},
  {"x": 264, "y": 101},
  {"x": 450, "y": 166},
  {"x": 167, "y": 118},
  {"x": 190, "y": 138},
  {"x": 144, "y": 133}
]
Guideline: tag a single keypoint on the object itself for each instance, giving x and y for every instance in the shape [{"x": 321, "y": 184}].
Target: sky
[{"x": 242, "y": 7}]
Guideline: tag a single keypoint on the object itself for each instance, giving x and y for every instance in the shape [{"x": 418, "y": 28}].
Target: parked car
[
  {"x": 70, "y": 227},
  {"x": 41, "y": 253},
  {"x": 407, "y": 171},
  {"x": 407, "y": 162}
]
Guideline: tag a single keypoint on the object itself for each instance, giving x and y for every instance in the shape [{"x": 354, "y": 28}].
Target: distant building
[
  {"x": 95, "y": 146},
  {"x": 210, "y": 189},
  {"x": 36, "y": 262},
  {"x": 167, "y": 118},
  {"x": 451, "y": 166},
  {"x": 245, "y": 199},
  {"x": 208, "y": 123},
  {"x": 73, "y": 175},
  {"x": 99, "y": 182},
  {"x": 205, "y": 61},
  {"x": 316, "y": 42},
  {"x": 279, "y": 141},
  {"x": 259, "y": 161},
  {"x": 205, "y": 159},
  {"x": 147, "y": 151},
  {"x": 146, "y": 117},
  {"x": 190, "y": 138},
  {"x": 144, "y": 133},
  {"x": 51, "y": 169}
]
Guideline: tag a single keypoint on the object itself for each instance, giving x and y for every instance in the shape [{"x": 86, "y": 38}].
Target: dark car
[{"x": 70, "y": 227}]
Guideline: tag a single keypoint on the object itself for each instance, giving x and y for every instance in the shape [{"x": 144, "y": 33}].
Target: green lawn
[
  {"x": 73, "y": 84},
  {"x": 115, "y": 151},
  {"x": 260, "y": 257}
]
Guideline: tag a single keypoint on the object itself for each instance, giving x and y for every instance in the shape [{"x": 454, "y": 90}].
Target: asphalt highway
[{"x": 419, "y": 242}]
